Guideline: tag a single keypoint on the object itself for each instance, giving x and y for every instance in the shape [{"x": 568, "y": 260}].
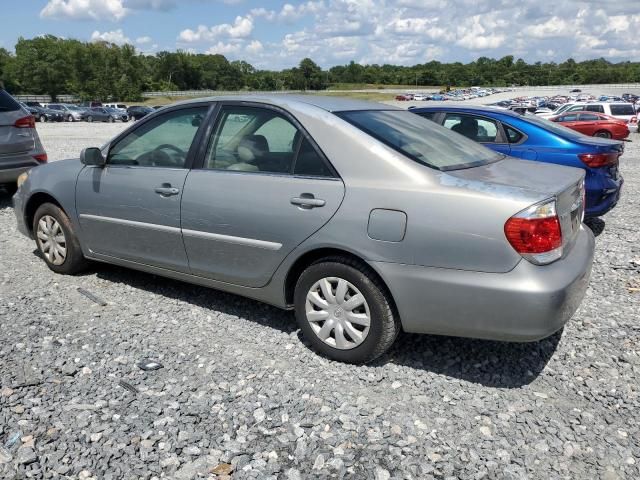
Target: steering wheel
[{"x": 161, "y": 158}]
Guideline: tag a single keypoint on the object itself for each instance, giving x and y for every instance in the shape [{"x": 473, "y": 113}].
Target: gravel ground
[{"x": 240, "y": 394}]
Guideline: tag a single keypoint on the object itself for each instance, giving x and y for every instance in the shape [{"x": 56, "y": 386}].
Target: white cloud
[
  {"x": 224, "y": 48},
  {"x": 241, "y": 28},
  {"x": 114, "y": 36},
  {"x": 143, "y": 40},
  {"x": 254, "y": 47},
  {"x": 112, "y": 10}
]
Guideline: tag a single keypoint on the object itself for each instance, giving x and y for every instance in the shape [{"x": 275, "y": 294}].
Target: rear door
[
  {"x": 589, "y": 123},
  {"x": 262, "y": 188},
  {"x": 130, "y": 208},
  {"x": 13, "y": 140}
]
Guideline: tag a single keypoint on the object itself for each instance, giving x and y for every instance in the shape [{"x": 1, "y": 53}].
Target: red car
[{"x": 594, "y": 124}]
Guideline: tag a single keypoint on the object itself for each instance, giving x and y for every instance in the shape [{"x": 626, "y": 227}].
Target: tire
[
  {"x": 43, "y": 118},
  {"x": 90, "y": 119},
  {"x": 373, "y": 340},
  {"x": 602, "y": 134},
  {"x": 73, "y": 260},
  {"x": 70, "y": 118},
  {"x": 110, "y": 120}
]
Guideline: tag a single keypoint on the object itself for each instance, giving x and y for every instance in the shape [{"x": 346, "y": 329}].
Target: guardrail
[
  {"x": 210, "y": 93},
  {"x": 46, "y": 98}
]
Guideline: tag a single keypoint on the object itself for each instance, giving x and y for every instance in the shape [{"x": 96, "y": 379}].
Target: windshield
[{"x": 420, "y": 139}]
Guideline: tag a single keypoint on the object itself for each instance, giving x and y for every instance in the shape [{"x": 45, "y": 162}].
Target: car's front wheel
[
  {"x": 89, "y": 119},
  {"x": 57, "y": 241},
  {"x": 344, "y": 310},
  {"x": 110, "y": 120},
  {"x": 43, "y": 118},
  {"x": 70, "y": 118}
]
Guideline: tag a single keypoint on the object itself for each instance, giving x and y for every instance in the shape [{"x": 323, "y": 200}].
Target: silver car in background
[
  {"x": 72, "y": 113},
  {"x": 20, "y": 147},
  {"x": 363, "y": 218}
]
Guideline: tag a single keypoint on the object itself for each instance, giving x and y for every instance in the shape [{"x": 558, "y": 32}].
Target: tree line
[{"x": 104, "y": 71}]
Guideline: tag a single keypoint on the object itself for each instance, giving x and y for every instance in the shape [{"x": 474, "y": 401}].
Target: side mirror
[{"x": 92, "y": 156}]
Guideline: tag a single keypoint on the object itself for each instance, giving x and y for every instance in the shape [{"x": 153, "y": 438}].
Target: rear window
[
  {"x": 420, "y": 139},
  {"x": 623, "y": 109},
  {"x": 7, "y": 103}
]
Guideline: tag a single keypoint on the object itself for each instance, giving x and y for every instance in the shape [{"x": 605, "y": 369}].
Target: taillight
[
  {"x": 595, "y": 160},
  {"x": 25, "y": 122},
  {"x": 42, "y": 157},
  {"x": 535, "y": 233}
]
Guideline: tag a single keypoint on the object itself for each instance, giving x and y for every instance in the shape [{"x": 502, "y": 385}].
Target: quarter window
[
  {"x": 309, "y": 163},
  {"x": 624, "y": 109},
  {"x": 476, "y": 128},
  {"x": 162, "y": 142},
  {"x": 513, "y": 135}
]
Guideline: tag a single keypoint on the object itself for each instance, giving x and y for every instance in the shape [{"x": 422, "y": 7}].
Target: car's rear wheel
[
  {"x": 344, "y": 310},
  {"x": 89, "y": 119},
  {"x": 43, "y": 118},
  {"x": 57, "y": 241},
  {"x": 602, "y": 134}
]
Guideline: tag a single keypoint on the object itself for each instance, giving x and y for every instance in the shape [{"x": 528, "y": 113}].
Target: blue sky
[{"x": 278, "y": 34}]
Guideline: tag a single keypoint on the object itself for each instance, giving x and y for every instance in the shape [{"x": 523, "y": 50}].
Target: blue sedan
[{"x": 531, "y": 138}]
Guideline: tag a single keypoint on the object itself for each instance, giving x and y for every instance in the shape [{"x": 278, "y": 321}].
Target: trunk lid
[{"x": 541, "y": 181}]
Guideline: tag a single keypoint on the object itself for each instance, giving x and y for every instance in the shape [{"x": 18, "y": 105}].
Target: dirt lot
[{"x": 238, "y": 386}]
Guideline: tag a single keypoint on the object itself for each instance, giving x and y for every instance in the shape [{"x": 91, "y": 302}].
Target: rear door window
[
  {"x": 7, "y": 103},
  {"x": 478, "y": 129},
  {"x": 588, "y": 117},
  {"x": 594, "y": 108}
]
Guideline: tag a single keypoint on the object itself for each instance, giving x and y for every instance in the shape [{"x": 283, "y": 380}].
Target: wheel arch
[
  {"x": 316, "y": 255},
  {"x": 34, "y": 202}
]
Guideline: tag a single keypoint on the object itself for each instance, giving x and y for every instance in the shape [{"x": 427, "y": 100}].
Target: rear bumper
[
  {"x": 604, "y": 198},
  {"x": 12, "y": 166},
  {"x": 526, "y": 304}
]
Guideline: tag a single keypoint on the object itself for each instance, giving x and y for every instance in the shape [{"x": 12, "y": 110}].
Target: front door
[
  {"x": 263, "y": 188},
  {"x": 130, "y": 209}
]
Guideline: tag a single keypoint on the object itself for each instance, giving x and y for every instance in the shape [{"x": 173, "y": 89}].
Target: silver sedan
[{"x": 364, "y": 218}]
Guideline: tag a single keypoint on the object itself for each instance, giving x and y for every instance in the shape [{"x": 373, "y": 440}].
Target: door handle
[
  {"x": 166, "y": 190},
  {"x": 307, "y": 201}
]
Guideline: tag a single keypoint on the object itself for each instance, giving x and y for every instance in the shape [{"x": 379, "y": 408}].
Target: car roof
[
  {"x": 328, "y": 103},
  {"x": 470, "y": 109}
]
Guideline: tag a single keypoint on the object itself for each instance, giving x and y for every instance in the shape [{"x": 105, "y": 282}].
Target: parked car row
[
  {"x": 87, "y": 111},
  {"x": 455, "y": 95}
]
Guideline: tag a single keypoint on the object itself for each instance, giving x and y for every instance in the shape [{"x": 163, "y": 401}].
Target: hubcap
[
  {"x": 51, "y": 240},
  {"x": 338, "y": 313}
]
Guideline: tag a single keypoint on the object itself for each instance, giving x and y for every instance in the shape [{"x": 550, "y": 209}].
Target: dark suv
[{"x": 20, "y": 147}]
